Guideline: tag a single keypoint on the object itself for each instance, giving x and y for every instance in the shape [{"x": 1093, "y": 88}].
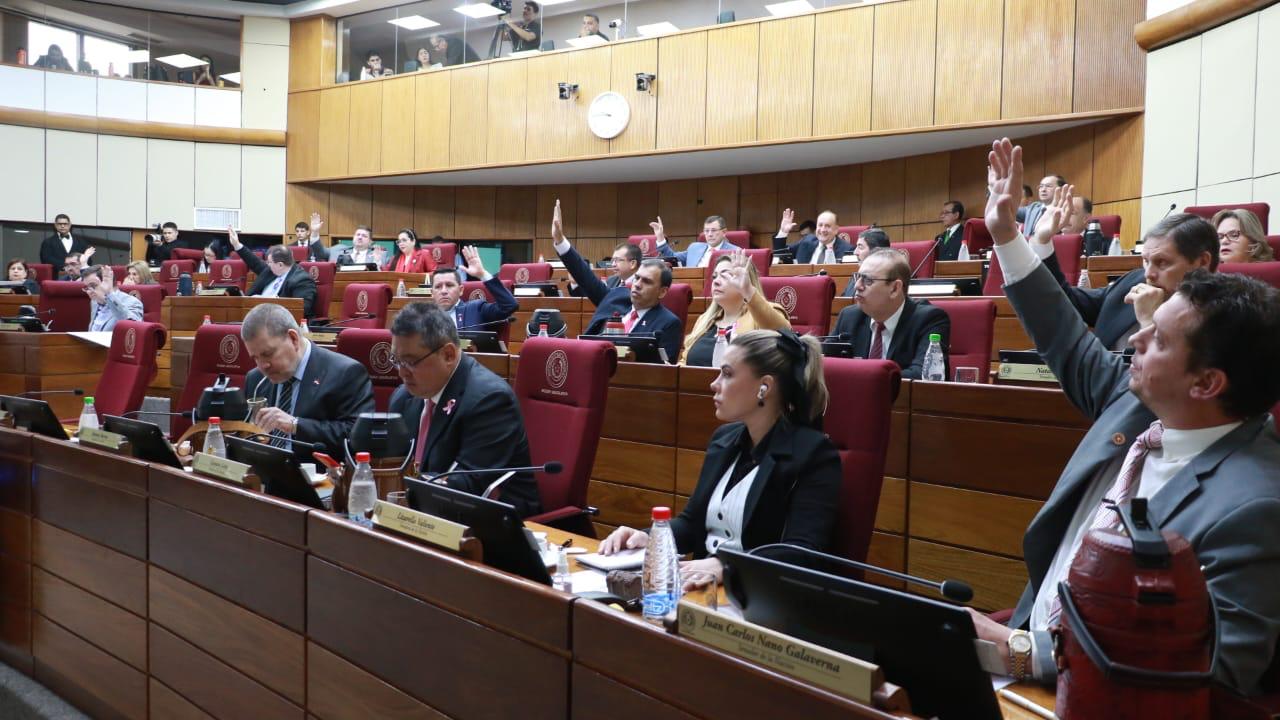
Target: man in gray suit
[
  {"x": 1191, "y": 415},
  {"x": 1030, "y": 215}
]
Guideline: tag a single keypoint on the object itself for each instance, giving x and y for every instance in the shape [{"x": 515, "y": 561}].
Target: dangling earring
[{"x": 764, "y": 390}]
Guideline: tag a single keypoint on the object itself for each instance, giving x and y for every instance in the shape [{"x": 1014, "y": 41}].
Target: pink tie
[
  {"x": 424, "y": 427},
  {"x": 631, "y": 320},
  {"x": 877, "y": 341}
]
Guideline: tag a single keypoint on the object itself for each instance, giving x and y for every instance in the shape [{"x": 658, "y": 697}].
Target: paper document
[
  {"x": 101, "y": 339},
  {"x": 626, "y": 560}
]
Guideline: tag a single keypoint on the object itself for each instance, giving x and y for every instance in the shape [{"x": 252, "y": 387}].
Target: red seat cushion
[
  {"x": 1068, "y": 249},
  {"x": 851, "y": 232},
  {"x": 972, "y": 325},
  {"x": 322, "y": 273},
  {"x": 1262, "y": 210},
  {"x": 366, "y": 299},
  {"x": 1274, "y": 242},
  {"x": 68, "y": 303},
  {"x": 217, "y": 350},
  {"x": 372, "y": 348},
  {"x": 917, "y": 253},
  {"x": 807, "y": 301},
  {"x": 762, "y": 258},
  {"x": 171, "y": 271},
  {"x": 444, "y": 254},
  {"x": 1110, "y": 224},
  {"x": 186, "y": 254},
  {"x": 130, "y": 368},
  {"x": 678, "y": 298},
  {"x": 521, "y": 273},
  {"x": 300, "y": 253},
  {"x": 152, "y": 298},
  {"x": 976, "y": 236},
  {"x": 231, "y": 272},
  {"x": 994, "y": 284},
  {"x": 43, "y": 271},
  {"x": 648, "y": 244},
  {"x": 1267, "y": 272}
]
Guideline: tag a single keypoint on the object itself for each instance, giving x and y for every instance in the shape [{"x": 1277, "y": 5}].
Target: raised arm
[
  {"x": 592, "y": 287},
  {"x": 254, "y": 262}
]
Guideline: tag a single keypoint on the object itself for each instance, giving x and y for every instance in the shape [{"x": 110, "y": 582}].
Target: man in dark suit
[
  {"x": 161, "y": 248},
  {"x": 1204, "y": 372},
  {"x": 883, "y": 323},
  {"x": 479, "y": 314},
  {"x": 279, "y": 276},
  {"x": 473, "y": 421},
  {"x": 308, "y": 236},
  {"x": 626, "y": 260},
  {"x": 825, "y": 245},
  {"x": 952, "y": 218},
  {"x": 313, "y": 394},
  {"x": 55, "y": 248},
  {"x": 639, "y": 307}
]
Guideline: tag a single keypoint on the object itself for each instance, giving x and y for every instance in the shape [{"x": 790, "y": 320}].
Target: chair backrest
[
  {"x": 976, "y": 236},
  {"x": 851, "y": 232},
  {"x": 762, "y": 258},
  {"x": 217, "y": 350},
  {"x": 918, "y": 252},
  {"x": 648, "y": 244},
  {"x": 562, "y": 386},
  {"x": 1261, "y": 209},
  {"x": 1274, "y": 242},
  {"x": 120, "y": 272},
  {"x": 186, "y": 254},
  {"x": 171, "y": 271},
  {"x": 1068, "y": 249},
  {"x": 366, "y": 298},
  {"x": 678, "y": 298},
  {"x": 1110, "y": 224},
  {"x": 230, "y": 272},
  {"x": 322, "y": 273},
  {"x": 857, "y": 421},
  {"x": 152, "y": 298},
  {"x": 476, "y": 290},
  {"x": 299, "y": 252},
  {"x": 372, "y": 348},
  {"x": 68, "y": 302},
  {"x": 972, "y": 324},
  {"x": 1267, "y": 272},
  {"x": 994, "y": 284},
  {"x": 807, "y": 301},
  {"x": 43, "y": 271},
  {"x": 445, "y": 254},
  {"x": 521, "y": 273},
  {"x": 130, "y": 368}
]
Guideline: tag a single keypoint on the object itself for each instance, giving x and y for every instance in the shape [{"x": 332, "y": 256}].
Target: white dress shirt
[
  {"x": 66, "y": 242},
  {"x": 824, "y": 254}
]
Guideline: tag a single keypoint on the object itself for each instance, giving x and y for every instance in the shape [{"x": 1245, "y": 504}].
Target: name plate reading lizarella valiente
[
  {"x": 841, "y": 674},
  {"x": 220, "y": 468},
  {"x": 100, "y": 438},
  {"x": 428, "y": 528}
]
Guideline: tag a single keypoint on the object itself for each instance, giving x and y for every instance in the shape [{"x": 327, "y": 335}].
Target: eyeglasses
[
  {"x": 398, "y": 363},
  {"x": 1232, "y": 234},
  {"x": 867, "y": 280}
]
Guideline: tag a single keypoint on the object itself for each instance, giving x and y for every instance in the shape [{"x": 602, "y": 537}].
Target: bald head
[{"x": 827, "y": 227}]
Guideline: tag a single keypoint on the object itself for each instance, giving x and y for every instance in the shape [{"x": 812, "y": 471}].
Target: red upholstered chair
[
  {"x": 521, "y": 273},
  {"x": 1273, "y": 241},
  {"x": 43, "y": 271},
  {"x": 186, "y": 254},
  {"x": 152, "y": 297},
  {"x": 1110, "y": 224},
  {"x": 976, "y": 236},
  {"x": 445, "y": 254},
  {"x": 1267, "y": 272},
  {"x": 807, "y": 301},
  {"x": 171, "y": 270},
  {"x": 120, "y": 272},
  {"x": 68, "y": 302},
  {"x": 851, "y": 232},
  {"x": 366, "y": 299},
  {"x": 475, "y": 290},
  {"x": 918, "y": 252},
  {"x": 1262, "y": 210},
  {"x": 678, "y": 298},
  {"x": 762, "y": 258},
  {"x": 372, "y": 347},
  {"x": 648, "y": 244},
  {"x": 994, "y": 284},
  {"x": 562, "y": 386},
  {"x": 972, "y": 325},
  {"x": 857, "y": 421},
  {"x": 1068, "y": 249},
  {"x": 322, "y": 273},
  {"x": 299, "y": 252},
  {"x": 130, "y": 368},
  {"x": 740, "y": 238},
  {"x": 230, "y": 272},
  {"x": 217, "y": 350}
]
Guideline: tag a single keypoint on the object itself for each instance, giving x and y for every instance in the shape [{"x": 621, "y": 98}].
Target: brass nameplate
[
  {"x": 839, "y": 673},
  {"x": 213, "y": 291},
  {"x": 420, "y": 525},
  {"x": 11, "y": 327},
  {"x": 101, "y": 438},
  {"x": 623, "y": 351},
  {"x": 418, "y": 291},
  {"x": 6, "y": 291},
  {"x": 327, "y": 338},
  {"x": 1027, "y": 373},
  {"x": 220, "y": 468},
  {"x": 465, "y": 343}
]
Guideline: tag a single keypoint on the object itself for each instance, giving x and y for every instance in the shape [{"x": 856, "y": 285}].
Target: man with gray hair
[
  {"x": 699, "y": 253},
  {"x": 312, "y": 394},
  {"x": 279, "y": 276},
  {"x": 825, "y": 245},
  {"x": 463, "y": 415}
]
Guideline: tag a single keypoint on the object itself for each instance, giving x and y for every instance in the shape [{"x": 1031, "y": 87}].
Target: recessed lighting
[
  {"x": 231, "y": 77},
  {"x": 414, "y": 22},
  {"x": 588, "y": 41},
  {"x": 791, "y": 7},
  {"x": 479, "y": 11},
  {"x": 182, "y": 60},
  {"x": 662, "y": 28},
  {"x": 137, "y": 56}
]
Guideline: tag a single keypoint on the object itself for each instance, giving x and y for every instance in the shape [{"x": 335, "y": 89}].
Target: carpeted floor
[{"x": 22, "y": 698}]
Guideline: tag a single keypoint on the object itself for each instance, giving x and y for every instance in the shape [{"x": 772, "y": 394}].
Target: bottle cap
[
  {"x": 661, "y": 513},
  {"x": 362, "y": 457},
  {"x": 935, "y": 337},
  {"x": 215, "y": 421},
  {"x": 88, "y": 400}
]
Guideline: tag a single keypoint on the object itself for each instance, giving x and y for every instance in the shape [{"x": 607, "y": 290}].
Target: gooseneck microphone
[
  {"x": 188, "y": 414},
  {"x": 36, "y": 393},
  {"x": 340, "y": 323},
  {"x": 932, "y": 249},
  {"x": 550, "y": 468},
  {"x": 504, "y": 321},
  {"x": 953, "y": 590}
]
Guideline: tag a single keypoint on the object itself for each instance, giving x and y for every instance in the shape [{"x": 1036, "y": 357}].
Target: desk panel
[
  {"x": 211, "y": 685},
  {"x": 110, "y": 628},
  {"x": 360, "y": 696},
  {"x": 88, "y": 677},
  {"x": 96, "y": 568}
]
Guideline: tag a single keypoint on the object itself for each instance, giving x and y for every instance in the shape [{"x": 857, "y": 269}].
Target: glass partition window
[{"x": 52, "y": 47}]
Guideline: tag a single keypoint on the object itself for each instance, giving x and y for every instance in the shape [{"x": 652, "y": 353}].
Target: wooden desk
[
  {"x": 1100, "y": 267},
  {"x": 184, "y": 314},
  {"x": 391, "y": 279},
  {"x": 50, "y": 361}
]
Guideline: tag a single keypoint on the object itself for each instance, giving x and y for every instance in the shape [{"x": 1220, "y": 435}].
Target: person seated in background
[
  {"x": 137, "y": 273},
  {"x": 885, "y": 324},
  {"x": 17, "y": 270},
  {"x": 699, "y": 252},
  {"x": 769, "y": 476},
  {"x": 161, "y": 247},
  {"x": 211, "y": 252},
  {"x": 73, "y": 266},
  {"x": 639, "y": 307},
  {"x": 279, "y": 275},
  {"x": 1240, "y": 237},
  {"x": 826, "y": 245},
  {"x": 108, "y": 305},
  {"x": 54, "y": 60},
  {"x": 591, "y": 26},
  {"x": 446, "y": 293},
  {"x": 205, "y": 74},
  {"x": 308, "y": 236},
  {"x": 870, "y": 239},
  {"x": 1027, "y": 196},
  {"x": 806, "y": 228},
  {"x": 526, "y": 33},
  {"x": 625, "y": 261},
  {"x": 410, "y": 256},
  {"x": 1029, "y": 216},
  {"x": 449, "y": 51},
  {"x": 313, "y": 394},
  {"x": 463, "y": 416},
  {"x": 362, "y": 250},
  {"x": 948, "y": 241},
  {"x": 373, "y": 66},
  {"x": 737, "y": 306},
  {"x": 423, "y": 58},
  {"x": 1078, "y": 221}
]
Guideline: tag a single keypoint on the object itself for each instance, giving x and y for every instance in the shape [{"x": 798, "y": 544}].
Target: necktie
[
  {"x": 631, "y": 321},
  {"x": 284, "y": 401},
  {"x": 424, "y": 427},
  {"x": 824, "y": 255},
  {"x": 877, "y": 341}
]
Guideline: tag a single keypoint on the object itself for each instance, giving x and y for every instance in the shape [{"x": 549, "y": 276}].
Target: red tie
[
  {"x": 424, "y": 427},
  {"x": 631, "y": 320},
  {"x": 877, "y": 342}
]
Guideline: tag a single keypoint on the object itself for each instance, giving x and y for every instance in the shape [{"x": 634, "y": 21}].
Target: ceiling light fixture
[
  {"x": 182, "y": 61},
  {"x": 478, "y": 11},
  {"x": 137, "y": 56},
  {"x": 791, "y": 7},
  {"x": 414, "y": 22},
  {"x": 231, "y": 77},
  {"x": 656, "y": 29}
]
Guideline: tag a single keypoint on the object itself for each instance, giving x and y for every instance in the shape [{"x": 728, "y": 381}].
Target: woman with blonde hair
[
  {"x": 137, "y": 273},
  {"x": 737, "y": 306},
  {"x": 1240, "y": 237}
]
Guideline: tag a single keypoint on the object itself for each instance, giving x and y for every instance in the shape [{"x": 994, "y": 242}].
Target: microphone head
[
  {"x": 553, "y": 468},
  {"x": 78, "y": 391},
  {"x": 956, "y": 591}
]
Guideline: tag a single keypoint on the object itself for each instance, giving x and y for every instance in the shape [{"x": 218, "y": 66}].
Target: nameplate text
[
  {"x": 220, "y": 468},
  {"x": 1027, "y": 373},
  {"x": 428, "y": 528},
  {"x": 100, "y": 438}
]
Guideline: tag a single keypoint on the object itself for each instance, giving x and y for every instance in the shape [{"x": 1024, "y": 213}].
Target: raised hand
[
  {"x": 658, "y": 230},
  {"x": 108, "y": 277},
  {"x": 1004, "y": 190},
  {"x": 738, "y": 275},
  {"x": 316, "y": 224},
  {"x": 234, "y": 237},
  {"x": 88, "y": 253},
  {"x": 557, "y": 225},
  {"x": 788, "y": 223},
  {"x": 1055, "y": 214},
  {"x": 475, "y": 266}
]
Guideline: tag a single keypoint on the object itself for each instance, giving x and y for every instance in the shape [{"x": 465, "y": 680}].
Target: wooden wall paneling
[
  {"x": 547, "y": 197},
  {"x": 334, "y": 132},
  {"x": 682, "y": 73},
  {"x": 515, "y": 210},
  {"x": 891, "y": 511},
  {"x": 302, "y": 142},
  {"x": 1034, "y": 168},
  {"x": 433, "y": 211},
  {"x": 887, "y": 551},
  {"x": 797, "y": 189},
  {"x": 212, "y": 685},
  {"x": 640, "y": 203},
  {"x": 968, "y": 170},
  {"x": 508, "y": 83},
  {"x": 548, "y": 115},
  {"x": 305, "y": 36},
  {"x": 432, "y": 120},
  {"x": 733, "y": 61},
  {"x": 717, "y": 196},
  {"x": 902, "y": 84},
  {"x": 1038, "y": 58},
  {"x": 626, "y": 60},
  {"x": 842, "y": 80},
  {"x": 1130, "y": 212},
  {"x": 941, "y": 447},
  {"x": 758, "y": 202},
  {"x": 300, "y": 201},
  {"x": 107, "y": 626},
  {"x": 591, "y": 69},
  {"x": 392, "y": 209},
  {"x": 595, "y": 695},
  {"x": 964, "y": 58},
  {"x": 597, "y": 211},
  {"x": 1110, "y": 68},
  {"x": 399, "y": 103},
  {"x": 917, "y": 232},
  {"x": 625, "y": 504},
  {"x": 118, "y": 518},
  {"x": 468, "y": 115},
  {"x": 165, "y": 703},
  {"x": 1117, "y": 159},
  {"x": 927, "y": 182},
  {"x": 997, "y": 582},
  {"x": 359, "y": 695},
  {"x": 883, "y": 192},
  {"x": 785, "y": 101},
  {"x": 1069, "y": 153},
  {"x": 86, "y": 676},
  {"x": 638, "y": 464},
  {"x": 475, "y": 211},
  {"x": 839, "y": 190},
  {"x": 366, "y": 129},
  {"x": 677, "y": 205},
  {"x": 976, "y": 520},
  {"x": 104, "y": 572},
  {"x": 349, "y": 206}
]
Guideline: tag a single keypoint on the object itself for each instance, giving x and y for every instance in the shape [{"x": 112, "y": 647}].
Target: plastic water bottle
[
  {"x": 1115, "y": 248},
  {"x": 89, "y": 415},
  {"x": 400, "y": 289},
  {"x": 542, "y": 330},
  {"x": 214, "y": 443},
  {"x": 615, "y": 326},
  {"x": 562, "y": 580},
  {"x": 722, "y": 347},
  {"x": 207, "y": 320},
  {"x": 964, "y": 251},
  {"x": 660, "y": 584},
  {"x": 306, "y": 331},
  {"x": 935, "y": 368},
  {"x": 199, "y": 287},
  {"x": 363, "y": 493}
]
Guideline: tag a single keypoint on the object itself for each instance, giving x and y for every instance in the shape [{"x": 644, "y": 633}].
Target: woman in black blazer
[
  {"x": 769, "y": 475},
  {"x": 17, "y": 270}
]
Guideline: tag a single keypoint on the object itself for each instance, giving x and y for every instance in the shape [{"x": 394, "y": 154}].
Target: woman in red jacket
[{"x": 409, "y": 257}]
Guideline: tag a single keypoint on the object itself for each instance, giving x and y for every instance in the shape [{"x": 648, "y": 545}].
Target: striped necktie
[{"x": 284, "y": 401}]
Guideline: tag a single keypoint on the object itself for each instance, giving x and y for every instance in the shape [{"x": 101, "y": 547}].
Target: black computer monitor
[
  {"x": 17, "y": 287},
  {"x": 28, "y": 323},
  {"x": 644, "y": 348},
  {"x": 34, "y": 416},
  {"x": 146, "y": 440},
  {"x": 924, "y": 645},
  {"x": 506, "y": 544},
  {"x": 485, "y": 341},
  {"x": 836, "y": 346},
  {"x": 277, "y": 468}
]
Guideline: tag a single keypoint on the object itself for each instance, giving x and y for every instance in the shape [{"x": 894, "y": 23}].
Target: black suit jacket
[
  {"x": 297, "y": 284},
  {"x": 658, "y": 321},
  {"x": 52, "y": 252},
  {"x": 484, "y": 429},
  {"x": 803, "y": 250},
  {"x": 910, "y": 338},
  {"x": 316, "y": 251},
  {"x": 610, "y": 282},
  {"x": 335, "y": 390},
  {"x": 1103, "y": 308},
  {"x": 793, "y": 499},
  {"x": 949, "y": 245}
]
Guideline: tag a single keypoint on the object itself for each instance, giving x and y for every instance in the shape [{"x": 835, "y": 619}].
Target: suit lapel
[
  {"x": 452, "y": 393},
  {"x": 1173, "y": 496},
  {"x": 780, "y": 445},
  {"x": 312, "y": 379},
  {"x": 900, "y": 332}
]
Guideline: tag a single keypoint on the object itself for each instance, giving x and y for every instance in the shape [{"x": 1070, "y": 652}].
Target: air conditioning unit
[{"x": 216, "y": 218}]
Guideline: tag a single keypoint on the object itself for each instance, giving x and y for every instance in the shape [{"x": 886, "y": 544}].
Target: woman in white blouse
[{"x": 769, "y": 474}]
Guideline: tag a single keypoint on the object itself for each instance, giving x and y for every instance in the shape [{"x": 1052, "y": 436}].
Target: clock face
[{"x": 608, "y": 115}]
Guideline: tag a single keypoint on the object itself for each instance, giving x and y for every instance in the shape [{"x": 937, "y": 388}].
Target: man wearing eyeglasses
[
  {"x": 463, "y": 416},
  {"x": 885, "y": 324},
  {"x": 952, "y": 219},
  {"x": 625, "y": 261},
  {"x": 1030, "y": 215}
]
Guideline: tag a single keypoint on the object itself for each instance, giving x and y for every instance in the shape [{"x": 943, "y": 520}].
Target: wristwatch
[{"x": 1020, "y": 654}]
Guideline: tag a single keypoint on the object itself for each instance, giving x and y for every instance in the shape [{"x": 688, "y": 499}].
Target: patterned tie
[
  {"x": 424, "y": 427},
  {"x": 631, "y": 321},
  {"x": 877, "y": 341},
  {"x": 284, "y": 401}
]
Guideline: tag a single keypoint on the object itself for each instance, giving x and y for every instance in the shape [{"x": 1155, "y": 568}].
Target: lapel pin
[
  {"x": 1118, "y": 438},
  {"x": 448, "y": 407}
]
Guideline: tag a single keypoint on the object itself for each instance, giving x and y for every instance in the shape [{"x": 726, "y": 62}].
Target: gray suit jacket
[
  {"x": 1225, "y": 502},
  {"x": 121, "y": 305}
]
